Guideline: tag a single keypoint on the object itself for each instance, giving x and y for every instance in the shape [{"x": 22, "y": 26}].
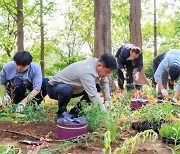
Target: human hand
[
  {"x": 102, "y": 107},
  {"x": 107, "y": 105},
  {"x": 136, "y": 76},
  {"x": 7, "y": 99},
  {"x": 20, "y": 107},
  {"x": 164, "y": 92},
  {"x": 125, "y": 74},
  {"x": 173, "y": 100},
  {"x": 1, "y": 103}
]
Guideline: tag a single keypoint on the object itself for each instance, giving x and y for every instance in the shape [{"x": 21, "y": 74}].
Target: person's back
[
  {"x": 81, "y": 79},
  {"x": 73, "y": 73},
  {"x": 170, "y": 65}
]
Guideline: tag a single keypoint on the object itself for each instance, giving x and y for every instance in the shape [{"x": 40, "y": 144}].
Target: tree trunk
[
  {"x": 102, "y": 43},
  {"x": 102, "y": 32},
  {"x": 20, "y": 35},
  {"x": 135, "y": 31},
  {"x": 42, "y": 37},
  {"x": 155, "y": 31}
]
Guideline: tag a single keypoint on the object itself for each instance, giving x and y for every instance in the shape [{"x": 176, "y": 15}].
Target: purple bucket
[
  {"x": 138, "y": 103},
  {"x": 70, "y": 130}
]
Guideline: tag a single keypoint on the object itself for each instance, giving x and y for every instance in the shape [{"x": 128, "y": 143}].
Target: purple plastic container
[{"x": 67, "y": 130}]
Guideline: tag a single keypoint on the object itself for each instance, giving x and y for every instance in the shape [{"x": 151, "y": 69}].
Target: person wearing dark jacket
[
  {"x": 156, "y": 61},
  {"x": 128, "y": 57}
]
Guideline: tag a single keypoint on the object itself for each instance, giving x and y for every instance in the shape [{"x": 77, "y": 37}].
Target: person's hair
[
  {"x": 22, "y": 58},
  {"x": 108, "y": 61},
  {"x": 174, "y": 71},
  {"x": 136, "y": 50}
]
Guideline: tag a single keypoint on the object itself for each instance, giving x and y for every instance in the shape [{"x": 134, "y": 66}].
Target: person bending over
[{"x": 82, "y": 79}]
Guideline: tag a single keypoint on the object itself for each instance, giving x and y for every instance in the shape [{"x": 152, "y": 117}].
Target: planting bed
[{"x": 13, "y": 133}]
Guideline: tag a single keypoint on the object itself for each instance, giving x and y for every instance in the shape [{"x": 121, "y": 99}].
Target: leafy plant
[
  {"x": 130, "y": 143},
  {"x": 93, "y": 116},
  {"x": 9, "y": 149},
  {"x": 170, "y": 132}
]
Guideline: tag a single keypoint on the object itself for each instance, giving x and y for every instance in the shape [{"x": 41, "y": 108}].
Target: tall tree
[
  {"x": 20, "y": 34},
  {"x": 155, "y": 31},
  {"x": 135, "y": 31},
  {"x": 42, "y": 36},
  {"x": 102, "y": 32}
]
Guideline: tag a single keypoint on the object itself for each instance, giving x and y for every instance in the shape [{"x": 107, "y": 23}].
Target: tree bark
[
  {"x": 20, "y": 36},
  {"x": 102, "y": 43},
  {"x": 135, "y": 32},
  {"x": 102, "y": 32},
  {"x": 42, "y": 37},
  {"x": 155, "y": 31}
]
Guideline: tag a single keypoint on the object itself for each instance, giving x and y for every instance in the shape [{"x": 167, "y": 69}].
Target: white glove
[
  {"x": 102, "y": 107},
  {"x": 164, "y": 92},
  {"x": 20, "y": 108},
  {"x": 7, "y": 99},
  {"x": 173, "y": 100},
  {"x": 107, "y": 105},
  {"x": 1, "y": 103},
  {"x": 136, "y": 76},
  {"x": 125, "y": 74}
]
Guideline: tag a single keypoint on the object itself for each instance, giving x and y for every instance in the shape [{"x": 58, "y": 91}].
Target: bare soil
[{"x": 13, "y": 133}]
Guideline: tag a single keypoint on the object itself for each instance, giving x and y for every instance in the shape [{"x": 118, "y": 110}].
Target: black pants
[
  {"x": 63, "y": 93},
  {"x": 18, "y": 91},
  {"x": 164, "y": 77},
  {"x": 128, "y": 64}
]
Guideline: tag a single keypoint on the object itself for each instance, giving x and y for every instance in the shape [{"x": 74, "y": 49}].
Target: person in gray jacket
[
  {"x": 169, "y": 65},
  {"x": 81, "y": 79}
]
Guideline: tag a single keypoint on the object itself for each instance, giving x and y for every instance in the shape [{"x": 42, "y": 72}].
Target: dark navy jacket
[{"x": 124, "y": 52}]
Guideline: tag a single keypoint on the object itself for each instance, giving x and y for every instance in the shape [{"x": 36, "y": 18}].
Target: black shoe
[{"x": 74, "y": 114}]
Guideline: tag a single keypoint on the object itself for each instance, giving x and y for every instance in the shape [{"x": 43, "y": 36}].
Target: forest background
[{"x": 67, "y": 27}]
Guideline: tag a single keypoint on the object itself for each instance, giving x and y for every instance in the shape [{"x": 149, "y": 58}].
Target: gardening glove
[
  {"x": 173, "y": 100},
  {"x": 102, "y": 107},
  {"x": 107, "y": 105},
  {"x": 20, "y": 107},
  {"x": 7, "y": 99},
  {"x": 164, "y": 92},
  {"x": 136, "y": 76},
  {"x": 125, "y": 75},
  {"x": 1, "y": 103}
]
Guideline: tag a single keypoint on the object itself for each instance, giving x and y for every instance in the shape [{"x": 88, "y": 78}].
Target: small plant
[
  {"x": 9, "y": 149},
  {"x": 171, "y": 132},
  {"x": 130, "y": 143},
  {"x": 93, "y": 116}
]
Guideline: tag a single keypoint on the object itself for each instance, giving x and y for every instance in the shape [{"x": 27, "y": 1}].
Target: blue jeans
[
  {"x": 18, "y": 91},
  {"x": 63, "y": 93}
]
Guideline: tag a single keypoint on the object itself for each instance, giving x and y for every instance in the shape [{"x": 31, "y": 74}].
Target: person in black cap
[
  {"x": 169, "y": 65},
  {"x": 81, "y": 79},
  {"x": 128, "y": 57}
]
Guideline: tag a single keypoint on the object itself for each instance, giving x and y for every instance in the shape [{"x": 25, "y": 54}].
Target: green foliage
[
  {"x": 64, "y": 62},
  {"x": 31, "y": 113},
  {"x": 156, "y": 113},
  {"x": 9, "y": 149},
  {"x": 94, "y": 117},
  {"x": 170, "y": 131},
  {"x": 147, "y": 62},
  {"x": 129, "y": 145},
  {"x": 111, "y": 122}
]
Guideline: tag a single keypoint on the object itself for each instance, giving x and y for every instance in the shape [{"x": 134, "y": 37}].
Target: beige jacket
[{"x": 81, "y": 76}]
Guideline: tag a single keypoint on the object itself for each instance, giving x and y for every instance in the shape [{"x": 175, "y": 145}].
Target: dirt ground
[{"x": 13, "y": 133}]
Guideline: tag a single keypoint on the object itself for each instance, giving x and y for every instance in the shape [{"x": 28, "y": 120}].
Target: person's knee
[
  {"x": 67, "y": 92},
  {"x": 45, "y": 81},
  {"x": 17, "y": 82}
]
